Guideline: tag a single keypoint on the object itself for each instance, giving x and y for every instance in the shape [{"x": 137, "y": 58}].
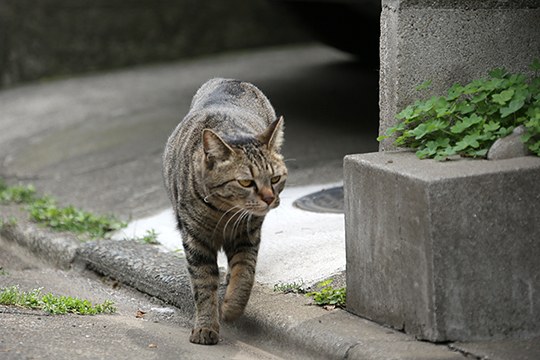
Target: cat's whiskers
[
  {"x": 221, "y": 218},
  {"x": 228, "y": 221},
  {"x": 237, "y": 224}
]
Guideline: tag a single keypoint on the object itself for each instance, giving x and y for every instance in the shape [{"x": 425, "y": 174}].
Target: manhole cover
[{"x": 324, "y": 201}]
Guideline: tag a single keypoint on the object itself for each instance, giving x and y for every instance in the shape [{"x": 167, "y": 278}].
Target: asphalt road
[{"x": 95, "y": 141}]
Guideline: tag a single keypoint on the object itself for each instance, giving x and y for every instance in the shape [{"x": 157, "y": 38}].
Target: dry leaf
[
  {"x": 152, "y": 346},
  {"x": 329, "y": 307},
  {"x": 140, "y": 314}
]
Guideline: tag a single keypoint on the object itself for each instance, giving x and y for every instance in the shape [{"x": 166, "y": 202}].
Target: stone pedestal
[{"x": 446, "y": 251}]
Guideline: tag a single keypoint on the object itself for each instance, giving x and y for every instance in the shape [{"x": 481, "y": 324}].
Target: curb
[
  {"x": 58, "y": 248},
  {"x": 143, "y": 267},
  {"x": 284, "y": 320}
]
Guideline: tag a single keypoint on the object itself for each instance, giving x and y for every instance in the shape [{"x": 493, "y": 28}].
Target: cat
[{"x": 223, "y": 172}]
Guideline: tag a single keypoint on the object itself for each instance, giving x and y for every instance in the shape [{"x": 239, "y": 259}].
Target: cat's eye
[
  {"x": 246, "y": 183},
  {"x": 275, "y": 179}
]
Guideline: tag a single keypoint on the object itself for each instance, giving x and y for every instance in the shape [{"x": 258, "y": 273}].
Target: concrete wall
[
  {"x": 50, "y": 38},
  {"x": 449, "y": 41},
  {"x": 444, "y": 251}
]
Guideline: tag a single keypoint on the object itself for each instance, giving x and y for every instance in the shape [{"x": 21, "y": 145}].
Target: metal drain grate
[{"x": 324, "y": 201}]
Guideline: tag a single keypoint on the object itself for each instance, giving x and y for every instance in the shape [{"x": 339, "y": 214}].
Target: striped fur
[{"x": 223, "y": 172}]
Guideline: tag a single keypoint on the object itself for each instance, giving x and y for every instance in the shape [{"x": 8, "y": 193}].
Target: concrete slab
[{"x": 445, "y": 251}]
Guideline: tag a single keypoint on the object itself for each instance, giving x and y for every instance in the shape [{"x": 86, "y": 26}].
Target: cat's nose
[
  {"x": 269, "y": 199},
  {"x": 267, "y": 195}
]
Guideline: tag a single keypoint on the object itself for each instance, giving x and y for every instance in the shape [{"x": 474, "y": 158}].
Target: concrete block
[
  {"x": 449, "y": 41},
  {"x": 447, "y": 251}
]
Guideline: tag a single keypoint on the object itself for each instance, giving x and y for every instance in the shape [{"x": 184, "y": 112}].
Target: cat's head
[{"x": 244, "y": 172}]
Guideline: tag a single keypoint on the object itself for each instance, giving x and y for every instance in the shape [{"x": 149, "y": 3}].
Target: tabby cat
[{"x": 223, "y": 172}]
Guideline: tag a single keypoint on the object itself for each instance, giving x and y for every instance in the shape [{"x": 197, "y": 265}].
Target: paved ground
[
  {"x": 96, "y": 141},
  {"x": 159, "y": 333}
]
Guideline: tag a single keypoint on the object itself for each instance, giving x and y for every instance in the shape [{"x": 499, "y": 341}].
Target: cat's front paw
[{"x": 204, "y": 336}]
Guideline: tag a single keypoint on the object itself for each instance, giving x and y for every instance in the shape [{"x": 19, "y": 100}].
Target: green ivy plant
[
  {"x": 469, "y": 119},
  {"x": 328, "y": 295}
]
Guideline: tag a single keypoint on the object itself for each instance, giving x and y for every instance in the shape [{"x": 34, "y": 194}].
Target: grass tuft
[
  {"x": 288, "y": 288},
  {"x": 57, "y": 305},
  {"x": 45, "y": 211}
]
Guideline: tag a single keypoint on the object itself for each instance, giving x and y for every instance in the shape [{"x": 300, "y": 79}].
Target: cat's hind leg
[
  {"x": 242, "y": 258},
  {"x": 204, "y": 274}
]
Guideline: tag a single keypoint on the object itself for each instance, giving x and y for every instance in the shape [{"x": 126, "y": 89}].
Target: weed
[
  {"x": 151, "y": 237},
  {"x": 16, "y": 194},
  {"x": 52, "y": 304},
  {"x": 45, "y": 211},
  {"x": 287, "y": 288},
  {"x": 469, "y": 119},
  {"x": 328, "y": 295}
]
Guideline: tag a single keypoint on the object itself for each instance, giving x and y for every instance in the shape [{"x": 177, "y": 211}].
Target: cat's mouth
[
  {"x": 259, "y": 211},
  {"x": 262, "y": 209}
]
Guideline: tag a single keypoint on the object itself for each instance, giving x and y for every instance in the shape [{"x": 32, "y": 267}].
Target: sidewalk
[{"x": 96, "y": 142}]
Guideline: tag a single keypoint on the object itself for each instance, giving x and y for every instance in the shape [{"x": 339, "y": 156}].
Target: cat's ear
[
  {"x": 214, "y": 146},
  {"x": 273, "y": 135}
]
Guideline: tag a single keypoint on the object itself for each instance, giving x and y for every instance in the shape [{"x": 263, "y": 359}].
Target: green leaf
[
  {"x": 406, "y": 113},
  {"x": 465, "y": 108},
  {"x": 503, "y": 97},
  {"x": 445, "y": 153},
  {"x": 470, "y": 140},
  {"x": 465, "y": 123},
  {"x": 493, "y": 84},
  {"x": 422, "y": 154},
  {"x": 420, "y": 131},
  {"x": 459, "y": 127},
  {"x": 491, "y": 126},
  {"x": 512, "y": 107},
  {"x": 479, "y": 97},
  {"x": 480, "y": 152},
  {"x": 454, "y": 92},
  {"x": 426, "y": 106},
  {"x": 535, "y": 148}
]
